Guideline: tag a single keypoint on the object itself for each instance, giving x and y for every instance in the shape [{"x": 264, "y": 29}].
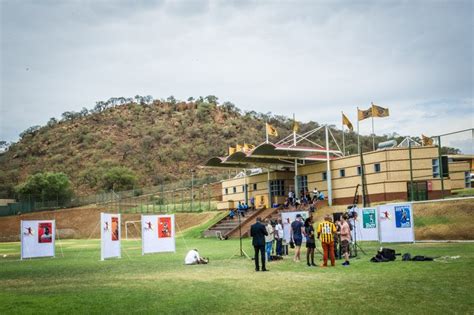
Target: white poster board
[
  {"x": 110, "y": 233},
  {"x": 396, "y": 223},
  {"x": 366, "y": 225},
  {"x": 37, "y": 238},
  {"x": 158, "y": 234},
  {"x": 287, "y": 218}
]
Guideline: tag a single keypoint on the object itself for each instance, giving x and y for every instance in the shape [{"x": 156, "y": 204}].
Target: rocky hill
[{"x": 159, "y": 141}]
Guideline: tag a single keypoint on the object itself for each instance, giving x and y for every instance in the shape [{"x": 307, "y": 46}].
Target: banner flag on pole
[
  {"x": 231, "y": 150},
  {"x": 271, "y": 130},
  {"x": 296, "y": 126},
  {"x": 378, "y": 111},
  {"x": 426, "y": 140},
  {"x": 364, "y": 114},
  {"x": 347, "y": 122}
]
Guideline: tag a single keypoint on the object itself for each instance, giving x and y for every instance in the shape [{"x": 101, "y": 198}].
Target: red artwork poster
[
  {"x": 115, "y": 229},
  {"x": 45, "y": 231},
  {"x": 164, "y": 227}
]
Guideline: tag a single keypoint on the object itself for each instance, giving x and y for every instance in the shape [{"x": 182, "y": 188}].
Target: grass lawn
[{"x": 160, "y": 283}]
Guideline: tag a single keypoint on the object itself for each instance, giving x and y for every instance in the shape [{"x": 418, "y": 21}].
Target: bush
[
  {"x": 119, "y": 178},
  {"x": 46, "y": 186}
]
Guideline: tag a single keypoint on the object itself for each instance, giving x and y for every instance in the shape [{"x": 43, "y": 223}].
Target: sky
[{"x": 311, "y": 58}]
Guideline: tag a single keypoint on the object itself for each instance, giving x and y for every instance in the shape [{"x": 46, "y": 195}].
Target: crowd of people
[
  {"x": 268, "y": 240},
  {"x": 304, "y": 199}
]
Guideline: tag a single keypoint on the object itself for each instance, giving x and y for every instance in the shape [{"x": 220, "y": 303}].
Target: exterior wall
[
  {"x": 457, "y": 172},
  {"x": 390, "y": 183},
  {"x": 261, "y": 182}
]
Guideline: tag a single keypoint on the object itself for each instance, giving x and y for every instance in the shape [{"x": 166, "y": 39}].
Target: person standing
[
  {"x": 310, "y": 241},
  {"x": 258, "y": 233},
  {"x": 297, "y": 233},
  {"x": 326, "y": 232},
  {"x": 345, "y": 233},
  {"x": 269, "y": 239},
  {"x": 279, "y": 238}
]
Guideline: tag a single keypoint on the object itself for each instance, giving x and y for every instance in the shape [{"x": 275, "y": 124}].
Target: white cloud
[{"x": 311, "y": 58}]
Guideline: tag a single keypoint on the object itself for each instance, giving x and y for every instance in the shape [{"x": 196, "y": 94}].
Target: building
[{"x": 388, "y": 174}]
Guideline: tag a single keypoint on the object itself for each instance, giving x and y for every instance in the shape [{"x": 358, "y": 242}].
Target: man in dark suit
[{"x": 258, "y": 232}]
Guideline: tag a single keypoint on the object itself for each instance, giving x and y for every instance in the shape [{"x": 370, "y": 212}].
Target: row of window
[{"x": 277, "y": 186}]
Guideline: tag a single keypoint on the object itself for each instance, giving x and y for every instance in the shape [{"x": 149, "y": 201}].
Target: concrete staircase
[{"x": 226, "y": 226}]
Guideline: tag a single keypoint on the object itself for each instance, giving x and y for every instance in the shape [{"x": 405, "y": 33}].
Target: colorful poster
[
  {"x": 45, "y": 232},
  {"x": 402, "y": 217},
  {"x": 164, "y": 227},
  {"x": 115, "y": 229},
  {"x": 369, "y": 220}
]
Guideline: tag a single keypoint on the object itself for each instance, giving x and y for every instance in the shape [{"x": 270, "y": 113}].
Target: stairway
[{"x": 227, "y": 226}]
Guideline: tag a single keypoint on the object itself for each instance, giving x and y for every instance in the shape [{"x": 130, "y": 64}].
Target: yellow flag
[
  {"x": 296, "y": 126},
  {"x": 231, "y": 150},
  {"x": 238, "y": 148},
  {"x": 364, "y": 114},
  {"x": 347, "y": 122},
  {"x": 426, "y": 140},
  {"x": 378, "y": 111},
  {"x": 271, "y": 131}
]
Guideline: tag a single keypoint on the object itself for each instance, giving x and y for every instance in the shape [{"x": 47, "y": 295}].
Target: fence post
[{"x": 209, "y": 196}]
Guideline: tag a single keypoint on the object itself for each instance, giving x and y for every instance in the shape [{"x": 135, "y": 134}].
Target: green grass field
[{"x": 160, "y": 283}]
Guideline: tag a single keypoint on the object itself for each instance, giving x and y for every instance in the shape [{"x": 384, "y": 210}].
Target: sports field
[{"x": 77, "y": 282}]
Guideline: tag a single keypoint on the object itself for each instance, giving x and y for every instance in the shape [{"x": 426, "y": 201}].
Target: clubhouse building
[{"x": 403, "y": 172}]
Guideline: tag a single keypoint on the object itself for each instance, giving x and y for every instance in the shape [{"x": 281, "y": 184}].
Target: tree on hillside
[
  {"x": 45, "y": 186},
  {"x": 119, "y": 178}
]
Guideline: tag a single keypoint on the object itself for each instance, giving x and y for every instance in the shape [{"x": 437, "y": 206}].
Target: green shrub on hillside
[
  {"x": 118, "y": 178},
  {"x": 46, "y": 186}
]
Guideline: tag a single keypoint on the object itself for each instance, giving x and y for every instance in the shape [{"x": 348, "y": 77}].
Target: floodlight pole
[
  {"x": 240, "y": 235},
  {"x": 192, "y": 190},
  {"x": 328, "y": 168}
]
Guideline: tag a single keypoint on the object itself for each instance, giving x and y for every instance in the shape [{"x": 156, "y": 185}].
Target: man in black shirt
[{"x": 258, "y": 233}]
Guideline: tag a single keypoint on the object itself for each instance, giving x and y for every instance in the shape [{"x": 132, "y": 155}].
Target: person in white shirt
[
  {"x": 269, "y": 239},
  {"x": 193, "y": 258},
  {"x": 279, "y": 238}
]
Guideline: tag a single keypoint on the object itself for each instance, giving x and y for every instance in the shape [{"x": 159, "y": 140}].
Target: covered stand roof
[{"x": 271, "y": 154}]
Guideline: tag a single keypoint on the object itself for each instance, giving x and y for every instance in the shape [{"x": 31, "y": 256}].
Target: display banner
[
  {"x": 110, "y": 233},
  {"x": 158, "y": 234},
  {"x": 287, "y": 218},
  {"x": 37, "y": 238},
  {"x": 366, "y": 225},
  {"x": 396, "y": 223}
]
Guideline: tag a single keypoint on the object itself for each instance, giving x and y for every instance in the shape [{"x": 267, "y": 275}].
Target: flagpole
[
  {"x": 358, "y": 139},
  {"x": 343, "y": 136},
  {"x": 373, "y": 133},
  {"x": 266, "y": 132}
]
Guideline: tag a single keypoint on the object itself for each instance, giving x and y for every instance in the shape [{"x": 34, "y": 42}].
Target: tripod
[
  {"x": 356, "y": 246},
  {"x": 242, "y": 252}
]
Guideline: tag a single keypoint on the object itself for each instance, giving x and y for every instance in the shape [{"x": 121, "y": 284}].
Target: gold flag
[
  {"x": 296, "y": 126},
  {"x": 364, "y": 114},
  {"x": 347, "y": 122},
  {"x": 378, "y": 111},
  {"x": 231, "y": 150},
  {"x": 426, "y": 140},
  {"x": 238, "y": 148},
  {"x": 271, "y": 130}
]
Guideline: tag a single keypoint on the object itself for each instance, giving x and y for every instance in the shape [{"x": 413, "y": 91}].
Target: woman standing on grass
[{"x": 310, "y": 241}]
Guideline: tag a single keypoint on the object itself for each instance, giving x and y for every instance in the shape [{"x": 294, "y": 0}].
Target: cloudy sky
[{"x": 311, "y": 58}]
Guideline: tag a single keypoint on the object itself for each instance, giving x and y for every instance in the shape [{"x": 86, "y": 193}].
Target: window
[
  {"x": 342, "y": 172},
  {"x": 227, "y": 191},
  {"x": 377, "y": 167},
  {"x": 435, "y": 165},
  {"x": 359, "y": 170},
  {"x": 255, "y": 186},
  {"x": 325, "y": 176},
  {"x": 302, "y": 182},
  {"x": 243, "y": 188},
  {"x": 467, "y": 179},
  {"x": 277, "y": 187},
  {"x": 234, "y": 189}
]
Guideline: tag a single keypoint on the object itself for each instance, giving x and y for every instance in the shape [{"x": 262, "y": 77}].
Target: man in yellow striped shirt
[{"x": 326, "y": 231}]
